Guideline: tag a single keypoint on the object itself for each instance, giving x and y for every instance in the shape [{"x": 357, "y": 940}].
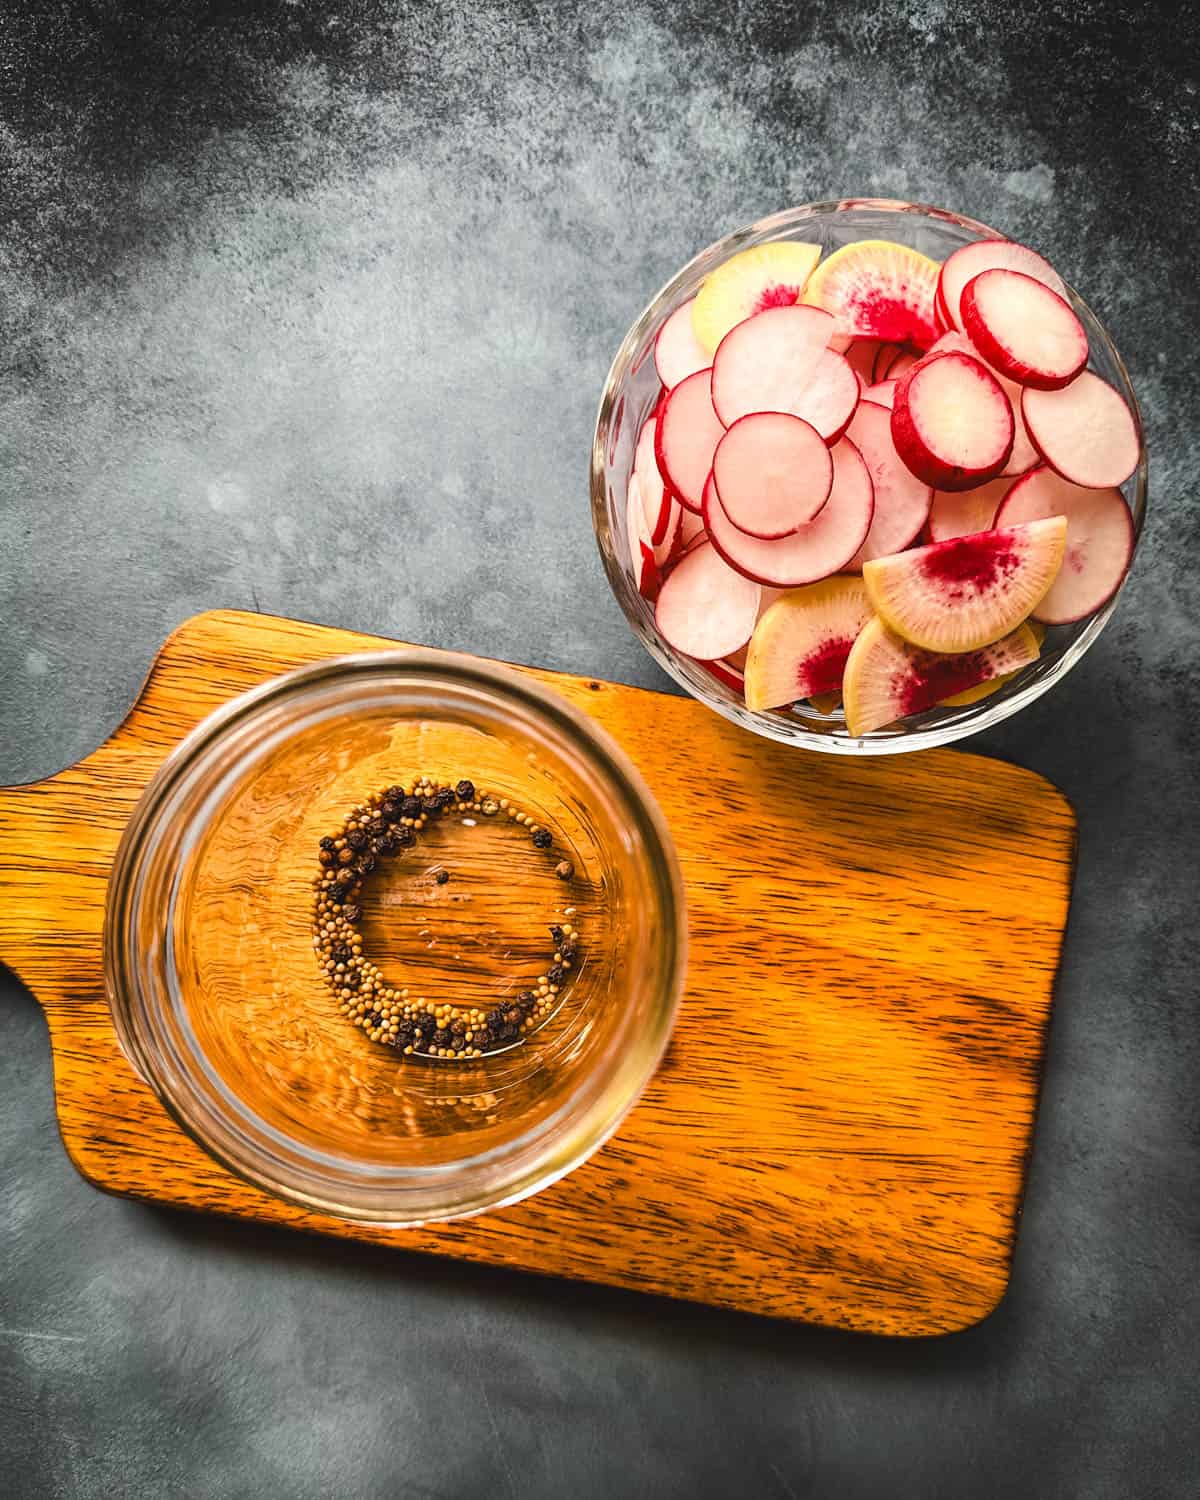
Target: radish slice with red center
[
  {"x": 773, "y": 473},
  {"x": 768, "y": 361},
  {"x": 952, "y": 423},
  {"x": 705, "y": 608},
  {"x": 901, "y": 500},
  {"x": 883, "y": 394},
  {"x": 988, "y": 255},
  {"x": 878, "y": 289},
  {"x": 1099, "y": 541},
  {"x": 967, "y": 512},
  {"x": 686, "y": 437},
  {"x": 901, "y": 365},
  {"x": 1023, "y": 329},
  {"x": 822, "y": 547},
  {"x": 1085, "y": 432},
  {"x": 678, "y": 353}
]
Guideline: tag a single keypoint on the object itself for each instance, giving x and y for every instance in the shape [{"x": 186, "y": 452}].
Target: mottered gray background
[{"x": 306, "y": 308}]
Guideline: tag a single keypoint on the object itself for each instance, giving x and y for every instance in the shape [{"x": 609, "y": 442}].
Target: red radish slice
[
  {"x": 952, "y": 423},
  {"x": 883, "y": 394},
  {"x": 1024, "y": 455},
  {"x": 691, "y": 526},
  {"x": 964, "y": 593},
  {"x": 885, "y": 356},
  {"x": 1085, "y": 432},
  {"x": 878, "y": 290},
  {"x": 751, "y": 282},
  {"x": 1023, "y": 329},
  {"x": 988, "y": 255},
  {"x": 1099, "y": 541},
  {"x": 686, "y": 437},
  {"x": 967, "y": 512},
  {"x": 901, "y": 500},
  {"x": 678, "y": 353},
  {"x": 829, "y": 399},
  {"x": 822, "y": 547},
  {"x": 941, "y": 318},
  {"x": 705, "y": 608},
  {"x": 901, "y": 365},
  {"x": 665, "y": 547},
  {"x": 887, "y": 679},
  {"x": 861, "y": 356},
  {"x": 728, "y": 675},
  {"x": 800, "y": 645},
  {"x": 773, "y": 473},
  {"x": 656, "y": 498},
  {"x": 767, "y": 363},
  {"x": 645, "y": 570}
]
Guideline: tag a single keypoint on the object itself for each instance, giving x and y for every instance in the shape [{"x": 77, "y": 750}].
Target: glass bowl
[
  {"x": 215, "y": 988},
  {"x": 632, "y": 387}
]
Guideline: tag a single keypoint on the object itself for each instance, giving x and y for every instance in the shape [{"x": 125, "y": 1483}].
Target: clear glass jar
[
  {"x": 214, "y": 984},
  {"x": 632, "y": 387}
]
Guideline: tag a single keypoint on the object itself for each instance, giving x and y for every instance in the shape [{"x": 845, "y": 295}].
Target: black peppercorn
[
  {"x": 441, "y": 1037},
  {"x": 345, "y": 856},
  {"x": 568, "y": 951},
  {"x": 557, "y": 934},
  {"x": 352, "y": 913},
  {"x": 411, "y": 807},
  {"x": 542, "y": 838},
  {"x": 458, "y": 1027},
  {"x": 365, "y": 864},
  {"x": 442, "y": 877},
  {"x": 345, "y": 877},
  {"x": 394, "y": 794},
  {"x": 403, "y": 837},
  {"x": 327, "y": 842},
  {"x": 390, "y": 810},
  {"x": 556, "y": 975},
  {"x": 376, "y": 826},
  {"x": 342, "y": 953},
  {"x": 465, "y": 791},
  {"x": 326, "y": 856},
  {"x": 356, "y": 838}
]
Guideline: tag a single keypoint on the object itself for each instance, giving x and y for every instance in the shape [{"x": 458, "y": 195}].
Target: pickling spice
[{"x": 380, "y": 827}]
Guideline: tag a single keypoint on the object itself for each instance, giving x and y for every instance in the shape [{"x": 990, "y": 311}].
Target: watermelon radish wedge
[{"x": 876, "y": 289}]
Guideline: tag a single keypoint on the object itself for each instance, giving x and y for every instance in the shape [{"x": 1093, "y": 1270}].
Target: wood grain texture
[{"x": 901, "y": 918}]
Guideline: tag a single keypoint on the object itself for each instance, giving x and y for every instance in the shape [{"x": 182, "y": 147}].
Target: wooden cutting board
[{"x": 901, "y": 916}]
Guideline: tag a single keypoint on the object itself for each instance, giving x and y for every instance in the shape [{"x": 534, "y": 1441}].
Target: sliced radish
[
  {"x": 861, "y": 356},
  {"x": 887, "y": 679},
  {"x": 800, "y": 645},
  {"x": 829, "y": 399},
  {"x": 767, "y": 362},
  {"x": 901, "y": 365},
  {"x": 1099, "y": 541},
  {"x": 964, "y": 593},
  {"x": 678, "y": 353},
  {"x": 1023, "y": 329},
  {"x": 750, "y": 282},
  {"x": 967, "y": 511},
  {"x": 645, "y": 569},
  {"x": 987, "y": 255},
  {"x": 952, "y": 423},
  {"x": 878, "y": 290},
  {"x": 666, "y": 546},
  {"x": 883, "y": 394},
  {"x": 686, "y": 437},
  {"x": 728, "y": 675},
  {"x": 885, "y": 357},
  {"x": 822, "y": 547},
  {"x": 706, "y": 609},
  {"x": 773, "y": 473},
  {"x": 1024, "y": 455},
  {"x": 1085, "y": 432},
  {"x": 902, "y": 501},
  {"x": 691, "y": 526},
  {"x": 659, "y": 504}
]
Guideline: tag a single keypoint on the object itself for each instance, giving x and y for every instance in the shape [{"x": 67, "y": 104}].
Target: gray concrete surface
[{"x": 306, "y": 309}]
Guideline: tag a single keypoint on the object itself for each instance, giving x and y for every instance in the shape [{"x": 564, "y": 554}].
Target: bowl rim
[
  {"x": 780, "y": 726},
  {"x": 558, "y": 1153}
]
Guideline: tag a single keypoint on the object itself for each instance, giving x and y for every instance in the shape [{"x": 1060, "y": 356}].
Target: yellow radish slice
[
  {"x": 800, "y": 645},
  {"x": 750, "y": 282},
  {"x": 965, "y": 593}
]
